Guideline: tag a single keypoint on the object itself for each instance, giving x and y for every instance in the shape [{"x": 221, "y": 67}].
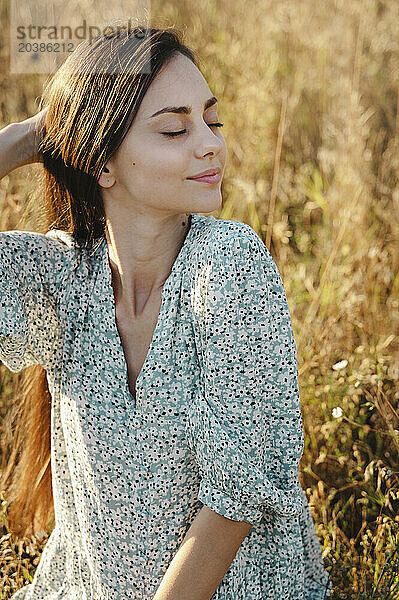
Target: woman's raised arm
[{"x": 19, "y": 143}]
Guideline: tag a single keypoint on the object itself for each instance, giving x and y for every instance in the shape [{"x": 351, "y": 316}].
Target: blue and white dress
[{"x": 216, "y": 419}]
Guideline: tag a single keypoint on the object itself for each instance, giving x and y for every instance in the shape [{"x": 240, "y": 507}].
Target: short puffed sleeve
[
  {"x": 245, "y": 423},
  {"x": 33, "y": 267}
]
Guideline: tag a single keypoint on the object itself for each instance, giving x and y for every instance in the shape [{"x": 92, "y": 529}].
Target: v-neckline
[{"x": 161, "y": 314}]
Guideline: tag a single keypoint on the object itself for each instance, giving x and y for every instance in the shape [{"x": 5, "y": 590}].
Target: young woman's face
[{"x": 158, "y": 181}]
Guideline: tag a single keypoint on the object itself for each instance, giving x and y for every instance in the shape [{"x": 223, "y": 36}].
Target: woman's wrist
[
  {"x": 17, "y": 146},
  {"x": 19, "y": 142}
]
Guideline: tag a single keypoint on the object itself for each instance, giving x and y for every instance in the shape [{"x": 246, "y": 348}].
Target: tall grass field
[{"x": 308, "y": 93}]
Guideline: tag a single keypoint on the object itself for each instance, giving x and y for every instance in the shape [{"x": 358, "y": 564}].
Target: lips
[
  {"x": 210, "y": 179},
  {"x": 207, "y": 173}
]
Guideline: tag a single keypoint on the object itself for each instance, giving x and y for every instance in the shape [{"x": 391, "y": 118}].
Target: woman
[{"x": 167, "y": 344}]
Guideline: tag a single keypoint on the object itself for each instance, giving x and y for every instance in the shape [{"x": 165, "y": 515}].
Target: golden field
[{"x": 309, "y": 96}]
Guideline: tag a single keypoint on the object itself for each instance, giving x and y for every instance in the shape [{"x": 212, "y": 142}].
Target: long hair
[{"x": 92, "y": 101}]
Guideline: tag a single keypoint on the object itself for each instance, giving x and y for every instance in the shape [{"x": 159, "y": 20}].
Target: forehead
[{"x": 179, "y": 82}]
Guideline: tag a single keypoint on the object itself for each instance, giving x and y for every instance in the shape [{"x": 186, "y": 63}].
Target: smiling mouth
[{"x": 206, "y": 178}]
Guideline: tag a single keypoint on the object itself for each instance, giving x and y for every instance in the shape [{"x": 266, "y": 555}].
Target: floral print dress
[{"x": 216, "y": 419}]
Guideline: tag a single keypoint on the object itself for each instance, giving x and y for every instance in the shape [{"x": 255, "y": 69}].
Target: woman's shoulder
[
  {"x": 222, "y": 228},
  {"x": 227, "y": 237},
  {"x": 61, "y": 237}
]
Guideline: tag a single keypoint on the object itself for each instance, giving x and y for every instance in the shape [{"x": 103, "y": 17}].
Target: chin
[{"x": 209, "y": 205}]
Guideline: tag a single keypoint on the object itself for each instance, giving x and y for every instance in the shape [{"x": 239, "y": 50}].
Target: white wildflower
[
  {"x": 337, "y": 412},
  {"x": 340, "y": 365}
]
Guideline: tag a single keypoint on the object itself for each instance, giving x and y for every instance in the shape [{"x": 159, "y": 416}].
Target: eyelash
[{"x": 176, "y": 133}]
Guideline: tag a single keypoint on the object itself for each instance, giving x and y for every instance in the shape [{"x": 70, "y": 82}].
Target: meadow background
[{"x": 309, "y": 95}]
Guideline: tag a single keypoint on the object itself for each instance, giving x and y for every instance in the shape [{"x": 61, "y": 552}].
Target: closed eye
[{"x": 176, "y": 133}]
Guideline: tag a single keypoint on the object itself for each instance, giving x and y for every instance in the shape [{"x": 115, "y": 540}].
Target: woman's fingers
[{"x": 36, "y": 126}]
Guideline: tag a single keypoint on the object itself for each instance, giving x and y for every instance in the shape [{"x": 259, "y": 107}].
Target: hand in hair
[{"x": 35, "y": 127}]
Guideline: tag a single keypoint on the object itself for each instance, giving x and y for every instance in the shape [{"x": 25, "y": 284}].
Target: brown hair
[{"x": 92, "y": 101}]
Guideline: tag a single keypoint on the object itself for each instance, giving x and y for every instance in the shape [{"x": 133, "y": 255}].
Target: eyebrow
[{"x": 184, "y": 109}]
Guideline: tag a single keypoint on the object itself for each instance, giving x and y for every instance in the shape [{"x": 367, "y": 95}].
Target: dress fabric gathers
[{"x": 216, "y": 420}]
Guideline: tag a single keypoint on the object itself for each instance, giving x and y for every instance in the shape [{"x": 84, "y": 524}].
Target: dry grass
[{"x": 309, "y": 95}]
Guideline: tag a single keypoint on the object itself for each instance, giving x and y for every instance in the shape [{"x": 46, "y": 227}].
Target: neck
[{"x": 141, "y": 258}]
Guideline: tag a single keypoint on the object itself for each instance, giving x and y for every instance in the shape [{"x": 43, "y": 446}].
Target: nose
[{"x": 208, "y": 142}]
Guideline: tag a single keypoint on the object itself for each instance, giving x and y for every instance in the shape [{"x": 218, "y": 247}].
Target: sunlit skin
[{"x": 146, "y": 202}]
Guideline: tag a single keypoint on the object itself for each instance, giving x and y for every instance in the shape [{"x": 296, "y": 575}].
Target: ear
[{"x": 106, "y": 179}]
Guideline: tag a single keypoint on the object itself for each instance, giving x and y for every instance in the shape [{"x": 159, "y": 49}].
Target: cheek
[
  {"x": 168, "y": 160},
  {"x": 152, "y": 161},
  {"x": 224, "y": 151}
]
